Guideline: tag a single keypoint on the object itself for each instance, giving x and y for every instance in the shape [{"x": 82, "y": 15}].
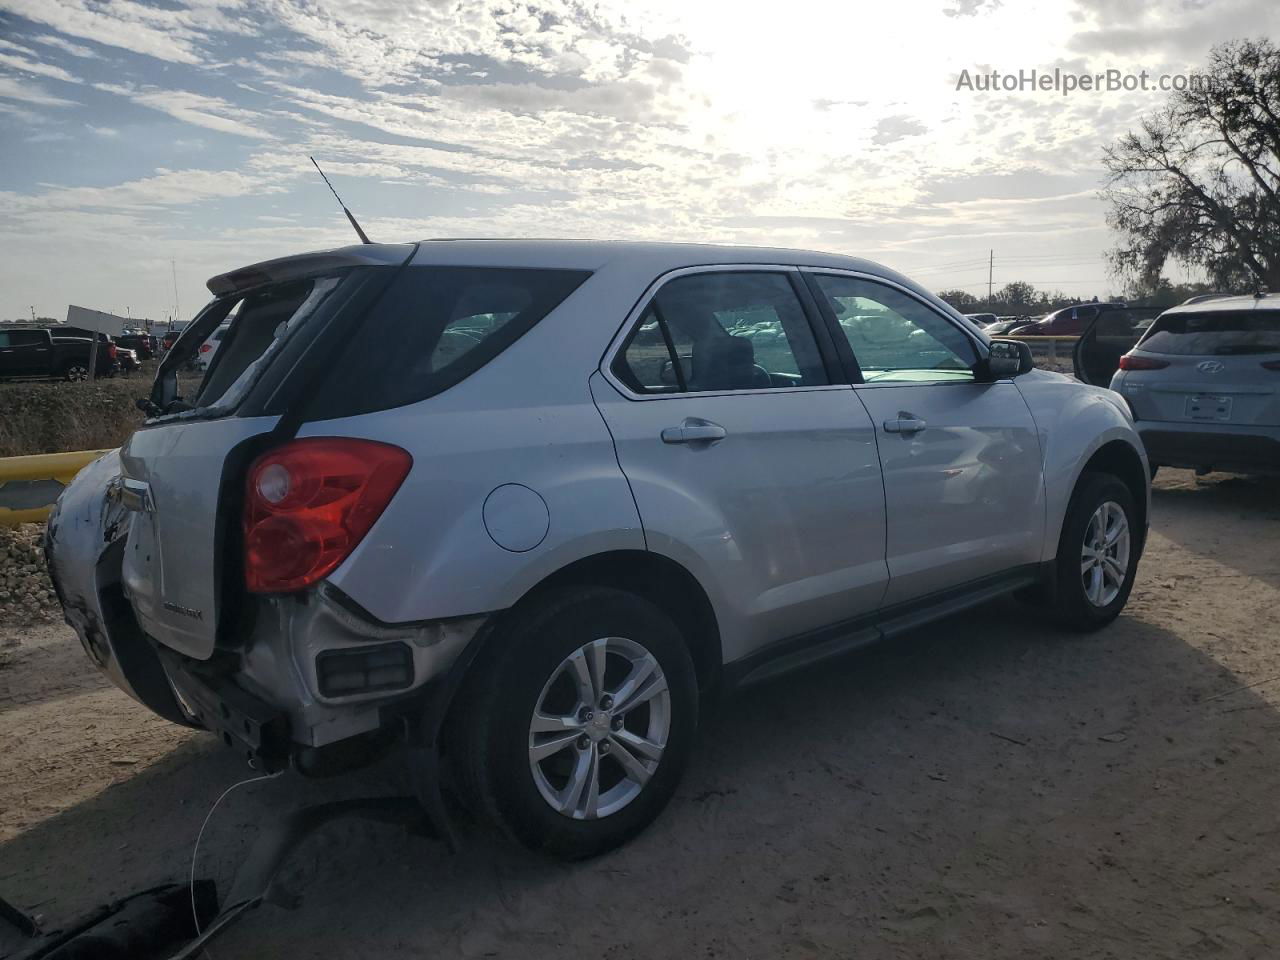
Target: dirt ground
[{"x": 989, "y": 787}]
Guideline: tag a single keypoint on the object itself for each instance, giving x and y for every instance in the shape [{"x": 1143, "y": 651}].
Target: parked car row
[
  {"x": 63, "y": 352},
  {"x": 35, "y": 352}
]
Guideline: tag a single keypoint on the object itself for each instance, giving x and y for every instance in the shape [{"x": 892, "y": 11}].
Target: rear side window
[
  {"x": 433, "y": 328},
  {"x": 1214, "y": 334}
]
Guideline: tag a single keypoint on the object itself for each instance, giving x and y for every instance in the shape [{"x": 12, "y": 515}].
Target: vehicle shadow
[{"x": 990, "y": 786}]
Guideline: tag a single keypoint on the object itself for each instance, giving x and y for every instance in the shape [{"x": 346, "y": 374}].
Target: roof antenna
[{"x": 360, "y": 233}]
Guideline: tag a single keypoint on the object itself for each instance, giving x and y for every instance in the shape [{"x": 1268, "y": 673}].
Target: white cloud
[
  {"x": 157, "y": 32},
  {"x": 164, "y": 189},
  {"x": 14, "y": 89},
  {"x": 24, "y": 65},
  {"x": 75, "y": 49},
  {"x": 212, "y": 113}
]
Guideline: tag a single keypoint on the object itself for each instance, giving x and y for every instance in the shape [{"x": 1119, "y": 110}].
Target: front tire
[
  {"x": 1098, "y": 553},
  {"x": 576, "y": 734}
]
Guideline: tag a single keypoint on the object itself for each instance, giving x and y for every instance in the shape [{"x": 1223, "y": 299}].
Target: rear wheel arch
[{"x": 656, "y": 578}]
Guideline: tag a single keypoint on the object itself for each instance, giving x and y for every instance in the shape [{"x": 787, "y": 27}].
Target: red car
[{"x": 1074, "y": 321}]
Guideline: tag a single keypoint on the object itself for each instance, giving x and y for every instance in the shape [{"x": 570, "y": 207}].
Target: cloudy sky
[{"x": 135, "y": 134}]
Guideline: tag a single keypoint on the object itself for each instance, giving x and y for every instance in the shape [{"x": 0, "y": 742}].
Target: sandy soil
[{"x": 987, "y": 788}]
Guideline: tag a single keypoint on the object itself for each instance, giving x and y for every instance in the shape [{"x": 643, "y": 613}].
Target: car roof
[
  {"x": 629, "y": 257},
  {"x": 595, "y": 254},
  {"x": 565, "y": 254},
  {"x": 1267, "y": 301}
]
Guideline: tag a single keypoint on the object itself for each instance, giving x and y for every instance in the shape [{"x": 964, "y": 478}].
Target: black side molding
[{"x": 816, "y": 646}]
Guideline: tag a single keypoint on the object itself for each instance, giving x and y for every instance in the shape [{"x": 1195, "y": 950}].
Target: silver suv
[
  {"x": 1204, "y": 385},
  {"x": 528, "y": 507}
]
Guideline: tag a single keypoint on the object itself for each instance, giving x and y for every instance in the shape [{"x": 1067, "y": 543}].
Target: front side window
[
  {"x": 895, "y": 337},
  {"x": 716, "y": 332}
]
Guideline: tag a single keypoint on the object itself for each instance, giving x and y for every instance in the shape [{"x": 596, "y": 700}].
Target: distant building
[{"x": 109, "y": 323}]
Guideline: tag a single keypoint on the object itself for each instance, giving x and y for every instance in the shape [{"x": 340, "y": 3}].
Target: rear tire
[
  {"x": 1098, "y": 553},
  {"x": 546, "y": 752},
  {"x": 74, "y": 372}
]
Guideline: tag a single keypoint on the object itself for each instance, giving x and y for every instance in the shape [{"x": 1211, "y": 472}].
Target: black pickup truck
[{"x": 26, "y": 352}]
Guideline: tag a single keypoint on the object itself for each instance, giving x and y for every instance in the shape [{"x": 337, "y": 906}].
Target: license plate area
[{"x": 1204, "y": 406}]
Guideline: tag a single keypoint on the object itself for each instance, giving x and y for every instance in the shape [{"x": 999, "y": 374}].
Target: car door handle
[
  {"x": 694, "y": 430},
  {"x": 904, "y": 424}
]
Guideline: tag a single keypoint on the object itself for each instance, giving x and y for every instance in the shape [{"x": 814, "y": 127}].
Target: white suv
[{"x": 526, "y": 506}]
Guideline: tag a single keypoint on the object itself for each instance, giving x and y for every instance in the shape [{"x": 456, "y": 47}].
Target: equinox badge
[{"x": 184, "y": 611}]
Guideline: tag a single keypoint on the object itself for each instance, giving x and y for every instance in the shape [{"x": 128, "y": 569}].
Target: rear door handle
[
  {"x": 904, "y": 424},
  {"x": 694, "y": 430}
]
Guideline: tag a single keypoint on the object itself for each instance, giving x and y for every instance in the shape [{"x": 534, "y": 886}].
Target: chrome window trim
[{"x": 636, "y": 312}]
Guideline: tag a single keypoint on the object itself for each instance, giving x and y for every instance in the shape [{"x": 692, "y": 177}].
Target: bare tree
[{"x": 1199, "y": 182}]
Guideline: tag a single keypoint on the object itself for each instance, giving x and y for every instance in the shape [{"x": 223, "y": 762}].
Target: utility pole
[
  {"x": 33, "y": 314},
  {"x": 991, "y": 264},
  {"x": 174, "y": 270}
]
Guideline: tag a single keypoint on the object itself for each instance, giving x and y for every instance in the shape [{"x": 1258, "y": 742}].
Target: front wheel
[
  {"x": 1097, "y": 552},
  {"x": 576, "y": 735}
]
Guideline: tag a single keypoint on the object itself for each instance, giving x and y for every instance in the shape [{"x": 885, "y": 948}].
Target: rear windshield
[
  {"x": 434, "y": 327},
  {"x": 1214, "y": 334},
  {"x": 254, "y": 327}
]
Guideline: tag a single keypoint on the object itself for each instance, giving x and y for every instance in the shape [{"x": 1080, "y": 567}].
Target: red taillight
[
  {"x": 1130, "y": 362},
  {"x": 205, "y": 348},
  {"x": 309, "y": 503},
  {"x": 111, "y": 351},
  {"x": 1271, "y": 365}
]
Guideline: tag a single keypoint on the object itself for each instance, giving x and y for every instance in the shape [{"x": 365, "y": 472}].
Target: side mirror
[{"x": 1008, "y": 358}]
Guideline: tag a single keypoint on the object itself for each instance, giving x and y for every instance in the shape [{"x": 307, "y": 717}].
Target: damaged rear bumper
[{"x": 311, "y": 669}]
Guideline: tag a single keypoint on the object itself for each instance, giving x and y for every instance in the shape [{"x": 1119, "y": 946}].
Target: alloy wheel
[
  {"x": 1104, "y": 558},
  {"x": 599, "y": 728}
]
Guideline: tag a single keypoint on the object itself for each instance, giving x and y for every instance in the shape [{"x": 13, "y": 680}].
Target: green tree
[
  {"x": 1199, "y": 182},
  {"x": 963, "y": 301},
  {"x": 1017, "y": 294}
]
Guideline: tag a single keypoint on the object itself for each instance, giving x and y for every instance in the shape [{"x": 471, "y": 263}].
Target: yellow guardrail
[{"x": 30, "y": 485}]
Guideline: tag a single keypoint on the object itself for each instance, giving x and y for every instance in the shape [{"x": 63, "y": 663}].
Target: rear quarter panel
[
  {"x": 1074, "y": 421},
  {"x": 525, "y": 418}
]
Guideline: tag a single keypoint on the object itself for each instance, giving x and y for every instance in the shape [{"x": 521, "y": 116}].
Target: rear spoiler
[{"x": 305, "y": 265}]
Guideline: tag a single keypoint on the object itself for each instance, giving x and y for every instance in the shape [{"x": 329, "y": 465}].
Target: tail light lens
[
  {"x": 111, "y": 351},
  {"x": 1130, "y": 362},
  {"x": 309, "y": 503},
  {"x": 1271, "y": 365},
  {"x": 205, "y": 348}
]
